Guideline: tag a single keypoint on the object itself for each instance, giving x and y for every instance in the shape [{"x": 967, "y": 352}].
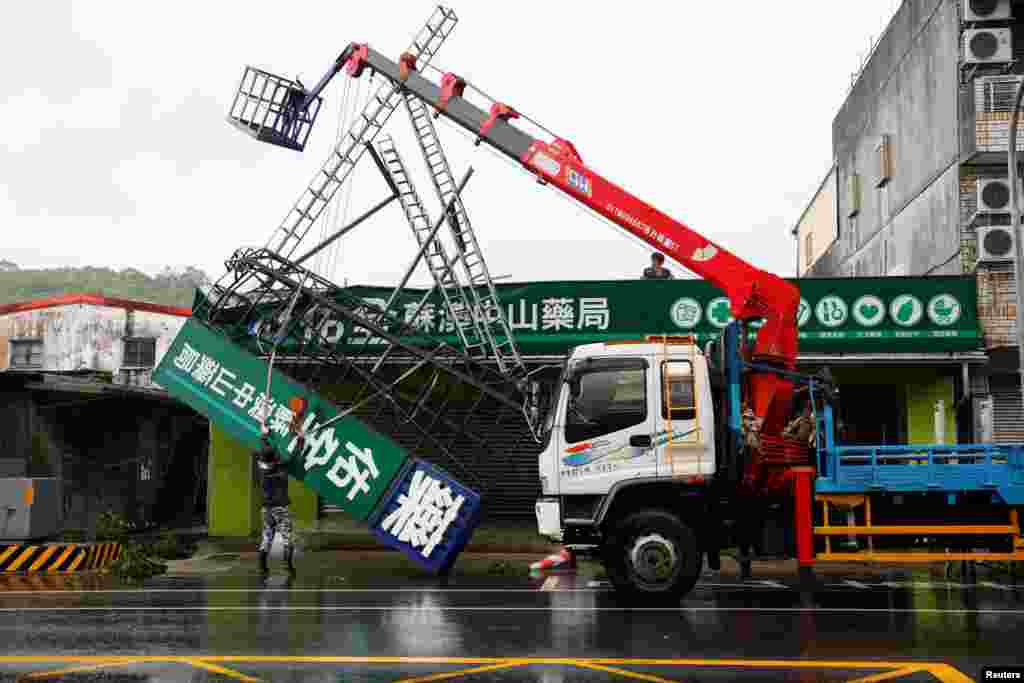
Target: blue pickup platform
[{"x": 997, "y": 468}]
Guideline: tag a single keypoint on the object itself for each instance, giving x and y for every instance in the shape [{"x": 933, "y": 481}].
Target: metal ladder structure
[
  {"x": 350, "y": 148},
  {"x": 471, "y": 334},
  {"x": 687, "y": 447},
  {"x": 486, "y": 309}
]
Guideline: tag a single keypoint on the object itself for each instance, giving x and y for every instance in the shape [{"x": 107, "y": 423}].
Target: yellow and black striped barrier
[{"x": 57, "y": 558}]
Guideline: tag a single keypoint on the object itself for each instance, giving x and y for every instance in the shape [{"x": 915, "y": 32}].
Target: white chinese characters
[
  {"x": 353, "y": 469},
  {"x": 424, "y": 514}
]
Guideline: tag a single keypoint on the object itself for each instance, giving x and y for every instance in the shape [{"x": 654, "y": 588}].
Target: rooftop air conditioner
[
  {"x": 995, "y": 243},
  {"x": 988, "y": 46},
  {"x": 993, "y": 195},
  {"x": 986, "y": 10}
]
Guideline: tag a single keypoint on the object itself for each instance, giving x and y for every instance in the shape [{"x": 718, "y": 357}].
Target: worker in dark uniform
[
  {"x": 657, "y": 269},
  {"x": 276, "y": 516}
]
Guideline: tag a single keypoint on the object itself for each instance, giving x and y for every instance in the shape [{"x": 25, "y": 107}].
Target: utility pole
[{"x": 1018, "y": 261}]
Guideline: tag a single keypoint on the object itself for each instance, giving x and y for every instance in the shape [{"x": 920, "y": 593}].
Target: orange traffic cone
[{"x": 564, "y": 559}]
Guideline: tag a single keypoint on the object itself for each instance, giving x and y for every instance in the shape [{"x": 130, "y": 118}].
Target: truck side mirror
[{"x": 640, "y": 441}]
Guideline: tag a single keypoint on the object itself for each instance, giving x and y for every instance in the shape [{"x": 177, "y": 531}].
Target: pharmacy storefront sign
[{"x": 844, "y": 315}]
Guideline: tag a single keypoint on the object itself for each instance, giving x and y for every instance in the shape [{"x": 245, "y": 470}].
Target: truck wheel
[{"x": 652, "y": 556}]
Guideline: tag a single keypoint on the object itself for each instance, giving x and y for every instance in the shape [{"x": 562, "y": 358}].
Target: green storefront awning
[{"x": 837, "y": 315}]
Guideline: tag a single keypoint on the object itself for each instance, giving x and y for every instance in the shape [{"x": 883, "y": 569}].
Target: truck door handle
[{"x": 640, "y": 440}]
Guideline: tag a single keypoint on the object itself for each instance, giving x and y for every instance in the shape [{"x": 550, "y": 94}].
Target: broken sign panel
[{"x": 427, "y": 515}]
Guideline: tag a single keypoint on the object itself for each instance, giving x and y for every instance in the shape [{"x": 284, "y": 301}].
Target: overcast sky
[{"x": 115, "y": 150}]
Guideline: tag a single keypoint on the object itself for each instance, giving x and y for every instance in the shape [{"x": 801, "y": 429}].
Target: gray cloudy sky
[{"x": 115, "y": 150}]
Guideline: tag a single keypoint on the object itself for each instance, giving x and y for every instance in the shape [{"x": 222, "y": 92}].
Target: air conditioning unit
[
  {"x": 993, "y": 195},
  {"x": 987, "y": 10},
  {"x": 988, "y": 46},
  {"x": 995, "y": 243}
]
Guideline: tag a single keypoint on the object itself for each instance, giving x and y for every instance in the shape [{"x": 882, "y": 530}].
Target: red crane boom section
[{"x": 753, "y": 293}]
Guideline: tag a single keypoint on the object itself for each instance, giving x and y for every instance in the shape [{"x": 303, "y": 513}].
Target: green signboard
[
  {"x": 346, "y": 463},
  {"x": 840, "y": 315}
]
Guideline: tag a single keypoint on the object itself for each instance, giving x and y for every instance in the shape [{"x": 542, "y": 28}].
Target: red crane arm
[{"x": 753, "y": 293}]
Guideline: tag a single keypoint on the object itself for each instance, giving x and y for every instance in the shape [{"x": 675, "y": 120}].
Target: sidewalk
[{"x": 341, "y": 534}]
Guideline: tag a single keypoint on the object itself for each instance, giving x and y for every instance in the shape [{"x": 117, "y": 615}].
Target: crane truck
[{"x": 658, "y": 454}]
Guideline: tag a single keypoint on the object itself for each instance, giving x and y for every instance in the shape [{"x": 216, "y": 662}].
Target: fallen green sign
[{"x": 347, "y": 463}]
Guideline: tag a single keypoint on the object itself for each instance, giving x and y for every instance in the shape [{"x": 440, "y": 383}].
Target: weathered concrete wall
[
  {"x": 143, "y": 463},
  {"x": 908, "y": 91},
  {"x": 84, "y": 336},
  {"x": 17, "y": 424}
]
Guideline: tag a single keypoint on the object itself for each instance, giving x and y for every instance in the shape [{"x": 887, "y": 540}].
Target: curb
[
  {"x": 483, "y": 549},
  {"x": 57, "y": 558}
]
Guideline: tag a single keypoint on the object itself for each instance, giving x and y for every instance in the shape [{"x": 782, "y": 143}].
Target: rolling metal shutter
[
  {"x": 1007, "y": 408},
  {"x": 505, "y": 473}
]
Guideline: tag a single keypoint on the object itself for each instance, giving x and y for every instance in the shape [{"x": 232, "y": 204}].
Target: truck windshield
[{"x": 608, "y": 395}]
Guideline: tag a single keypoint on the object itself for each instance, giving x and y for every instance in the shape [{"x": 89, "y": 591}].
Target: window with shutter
[
  {"x": 26, "y": 353},
  {"x": 139, "y": 353}
]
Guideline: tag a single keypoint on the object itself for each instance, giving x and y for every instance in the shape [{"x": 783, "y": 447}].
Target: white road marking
[
  {"x": 150, "y": 591},
  {"x": 997, "y": 586},
  {"x": 508, "y": 608},
  {"x": 549, "y": 585}
]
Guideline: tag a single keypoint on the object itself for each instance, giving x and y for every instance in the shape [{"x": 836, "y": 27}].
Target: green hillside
[{"x": 172, "y": 288}]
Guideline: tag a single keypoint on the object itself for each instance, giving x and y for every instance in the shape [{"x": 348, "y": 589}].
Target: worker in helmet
[
  {"x": 657, "y": 269},
  {"x": 802, "y": 427},
  {"x": 277, "y": 517}
]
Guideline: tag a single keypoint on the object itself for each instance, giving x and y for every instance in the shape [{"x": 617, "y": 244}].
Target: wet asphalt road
[{"x": 899, "y": 627}]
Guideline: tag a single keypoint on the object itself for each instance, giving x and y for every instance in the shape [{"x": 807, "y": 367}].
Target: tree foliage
[{"x": 169, "y": 287}]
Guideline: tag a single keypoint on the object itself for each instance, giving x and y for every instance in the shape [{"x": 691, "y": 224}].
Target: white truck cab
[{"x": 630, "y": 411}]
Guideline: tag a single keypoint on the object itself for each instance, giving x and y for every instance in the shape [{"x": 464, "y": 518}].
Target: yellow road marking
[
  {"x": 230, "y": 673},
  {"x": 21, "y": 558},
  {"x": 41, "y": 560},
  {"x": 622, "y": 672},
  {"x": 63, "y": 556},
  {"x": 943, "y": 672},
  {"x": 463, "y": 672},
  {"x": 312, "y": 659},
  {"x": 7, "y": 553},
  {"x": 73, "y": 670},
  {"x": 898, "y": 673},
  {"x": 946, "y": 673}
]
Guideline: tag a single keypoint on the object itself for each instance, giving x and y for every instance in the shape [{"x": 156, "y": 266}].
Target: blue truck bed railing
[{"x": 939, "y": 468}]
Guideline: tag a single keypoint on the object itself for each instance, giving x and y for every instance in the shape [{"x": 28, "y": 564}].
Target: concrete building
[
  {"x": 918, "y": 181},
  {"x": 86, "y": 333},
  {"x": 77, "y": 403}
]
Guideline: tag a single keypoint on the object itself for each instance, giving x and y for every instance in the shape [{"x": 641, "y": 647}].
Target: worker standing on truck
[
  {"x": 277, "y": 517},
  {"x": 657, "y": 269}
]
